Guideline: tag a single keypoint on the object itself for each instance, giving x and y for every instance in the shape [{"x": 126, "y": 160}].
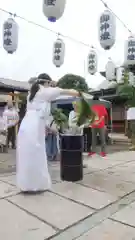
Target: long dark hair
[{"x": 41, "y": 80}]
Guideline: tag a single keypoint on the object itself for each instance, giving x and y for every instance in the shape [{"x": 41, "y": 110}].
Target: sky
[{"x": 79, "y": 21}]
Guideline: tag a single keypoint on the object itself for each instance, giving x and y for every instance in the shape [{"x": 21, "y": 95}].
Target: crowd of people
[{"x": 38, "y": 135}]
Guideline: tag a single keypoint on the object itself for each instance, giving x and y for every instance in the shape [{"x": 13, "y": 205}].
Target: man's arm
[
  {"x": 105, "y": 114},
  {"x": 100, "y": 120}
]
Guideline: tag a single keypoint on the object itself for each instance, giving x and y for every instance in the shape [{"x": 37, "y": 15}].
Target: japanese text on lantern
[
  {"x": 7, "y": 33},
  {"x": 104, "y": 28},
  {"x": 57, "y": 51},
  {"x": 50, "y": 2},
  {"x": 91, "y": 61},
  {"x": 131, "y": 50}
]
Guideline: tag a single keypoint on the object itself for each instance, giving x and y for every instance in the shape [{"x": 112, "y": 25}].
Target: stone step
[
  {"x": 119, "y": 138},
  {"x": 121, "y": 142}
]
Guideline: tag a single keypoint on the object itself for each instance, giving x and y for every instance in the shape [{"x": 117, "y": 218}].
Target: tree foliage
[
  {"x": 126, "y": 90},
  {"x": 70, "y": 81}
]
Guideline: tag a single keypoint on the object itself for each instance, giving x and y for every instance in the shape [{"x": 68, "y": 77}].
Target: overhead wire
[
  {"x": 63, "y": 35},
  {"x": 45, "y": 28},
  {"x": 117, "y": 17}
]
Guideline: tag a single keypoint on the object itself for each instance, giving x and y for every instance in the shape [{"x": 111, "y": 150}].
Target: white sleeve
[{"x": 54, "y": 93}]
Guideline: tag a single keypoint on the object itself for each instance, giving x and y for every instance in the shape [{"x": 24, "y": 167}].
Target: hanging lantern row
[
  {"x": 53, "y": 9},
  {"x": 10, "y": 35},
  {"x": 107, "y": 29},
  {"x": 58, "y": 52},
  {"x": 92, "y": 62},
  {"x": 107, "y": 33}
]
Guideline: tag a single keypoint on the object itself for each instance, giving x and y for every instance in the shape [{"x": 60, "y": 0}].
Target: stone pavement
[
  {"x": 7, "y": 162},
  {"x": 100, "y": 207}
]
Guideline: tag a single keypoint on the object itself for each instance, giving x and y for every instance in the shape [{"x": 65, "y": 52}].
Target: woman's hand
[{"x": 75, "y": 93}]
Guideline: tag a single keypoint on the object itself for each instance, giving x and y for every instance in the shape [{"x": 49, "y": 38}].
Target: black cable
[
  {"x": 125, "y": 26},
  {"x": 43, "y": 27}
]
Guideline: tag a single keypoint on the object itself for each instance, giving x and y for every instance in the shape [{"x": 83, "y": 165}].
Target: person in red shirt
[{"x": 99, "y": 127}]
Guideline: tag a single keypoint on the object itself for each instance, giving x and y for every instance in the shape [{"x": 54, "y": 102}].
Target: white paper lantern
[
  {"x": 92, "y": 62},
  {"x": 110, "y": 71},
  {"x": 10, "y": 35},
  {"x": 120, "y": 72},
  {"x": 58, "y": 52},
  {"x": 107, "y": 29},
  {"x": 53, "y": 9},
  {"x": 130, "y": 51}
]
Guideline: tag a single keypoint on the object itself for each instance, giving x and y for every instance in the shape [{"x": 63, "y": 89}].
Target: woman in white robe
[{"x": 32, "y": 169}]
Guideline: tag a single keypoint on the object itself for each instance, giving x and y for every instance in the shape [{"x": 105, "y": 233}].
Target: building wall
[
  {"x": 118, "y": 113},
  {"x": 118, "y": 117},
  {"x": 5, "y": 97}
]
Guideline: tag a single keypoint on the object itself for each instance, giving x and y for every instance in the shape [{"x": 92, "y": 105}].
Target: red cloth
[{"x": 100, "y": 111}]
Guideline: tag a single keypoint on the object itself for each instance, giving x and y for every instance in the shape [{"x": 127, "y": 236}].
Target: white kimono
[{"x": 32, "y": 169}]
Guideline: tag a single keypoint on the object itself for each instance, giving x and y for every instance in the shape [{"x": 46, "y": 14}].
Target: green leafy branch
[
  {"x": 85, "y": 113},
  {"x": 127, "y": 91},
  {"x": 59, "y": 117}
]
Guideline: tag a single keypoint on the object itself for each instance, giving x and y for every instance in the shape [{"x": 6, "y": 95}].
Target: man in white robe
[{"x": 72, "y": 115}]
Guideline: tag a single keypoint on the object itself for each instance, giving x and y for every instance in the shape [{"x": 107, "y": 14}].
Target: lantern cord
[
  {"x": 125, "y": 26},
  {"x": 50, "y": 30},
  {"x": 62, "y": 35}
]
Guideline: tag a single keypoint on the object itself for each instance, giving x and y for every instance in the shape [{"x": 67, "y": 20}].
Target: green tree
[
  {"x": 127, "y": 91},
  {"x": 69, "y": 81}
]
